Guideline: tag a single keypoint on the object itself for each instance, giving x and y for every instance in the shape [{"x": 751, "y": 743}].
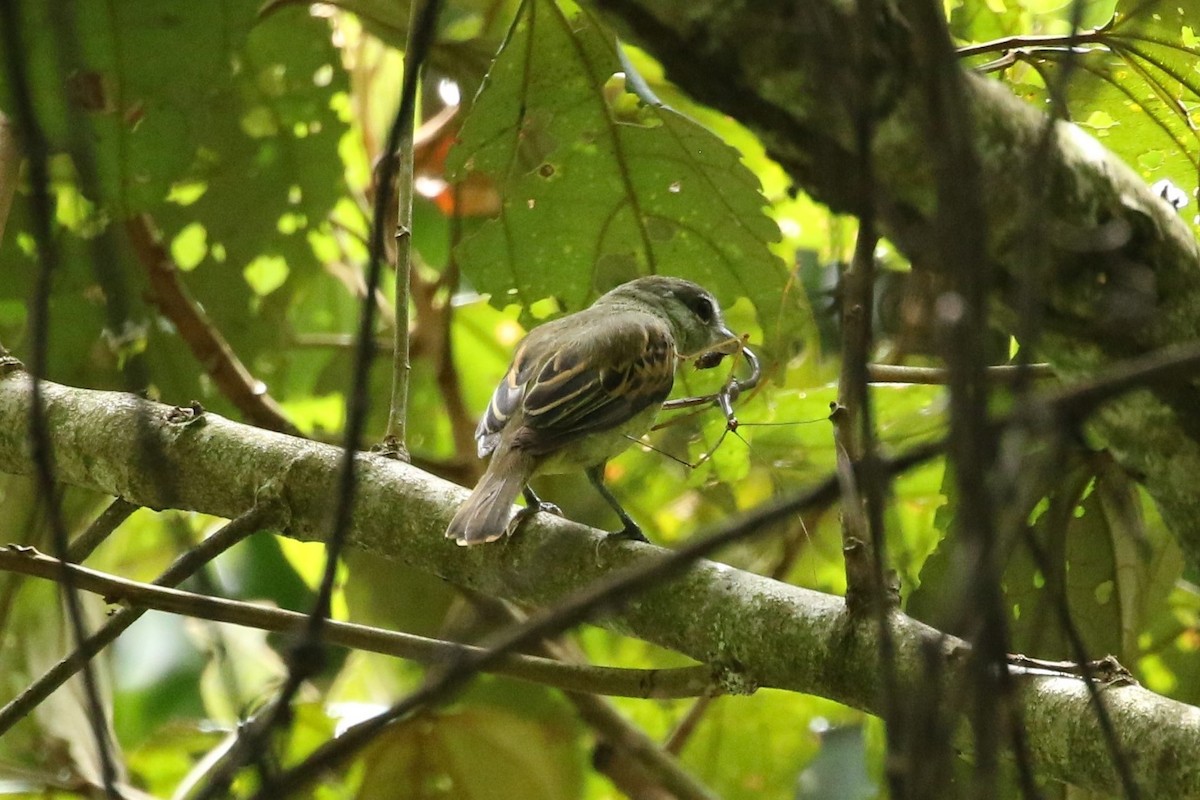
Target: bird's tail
[{"x": 484, "y": 516}]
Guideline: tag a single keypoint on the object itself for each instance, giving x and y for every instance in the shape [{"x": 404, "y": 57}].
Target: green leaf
[
  {"x": 600, "y": 186},
  {"x": 472, "y": 754},
  {"x": 1138, "y": 92},
  {"x": 1097, "y": 556},
  {"x": 221, "y": 129}
]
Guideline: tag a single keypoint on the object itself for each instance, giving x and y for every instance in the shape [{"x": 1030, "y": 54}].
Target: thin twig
[
  {"x": 625, "y": 738},
  {"x": 865, "y": 551},
  {"x": 1010, "y": 43},
  {"x": 939, "y": 376},
  {"x": 461, "y": 425},
  {"x": 662, "y": 684},
  {"x": 37, "y": 150},
  {"x": 1030, "y": 320},
  {"x": 10, "y": 169},
  {"x": 395, "y": 440},
  {"x": 1086, "y": 668},
  {"x": 306, "y": 658},
  {"x": 462, "y": 428},
  {"x": 960, "y": 259},
  {"x": 101, "y": 528},
  {"x": 123, "y": 323},
  {"x": 206, "y": 342},
  {"x": 624, "y": 742},
  {"x": 13, "y": 558},
  {"x": 851, "y": 417},
  {"x": 687, "y": 726}
]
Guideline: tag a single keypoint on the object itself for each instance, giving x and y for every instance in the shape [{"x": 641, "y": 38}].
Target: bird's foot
[
  {"x": 630, "y": 533},
  {"x": 531, "y": 510}
]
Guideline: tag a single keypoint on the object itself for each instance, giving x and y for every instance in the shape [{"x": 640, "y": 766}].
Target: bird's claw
[
  {"x": 630, "y": 533},
  {"x": 531, "y": 510},
  {"x": 548, "y": 508}
]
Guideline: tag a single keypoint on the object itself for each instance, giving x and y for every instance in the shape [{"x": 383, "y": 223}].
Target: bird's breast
[{"x": 596, "y": 448}]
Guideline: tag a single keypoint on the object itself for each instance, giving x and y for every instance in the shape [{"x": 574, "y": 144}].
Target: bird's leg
[
  {"x": 532, "y": 501},
  {"x": 533, "y": 505},
  {"x": 631, "y": 530}
]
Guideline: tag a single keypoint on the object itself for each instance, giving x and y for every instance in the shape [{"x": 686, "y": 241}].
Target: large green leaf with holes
[
  {"x": 600, "y": 186},
  {"x": 222, "y": 129}
]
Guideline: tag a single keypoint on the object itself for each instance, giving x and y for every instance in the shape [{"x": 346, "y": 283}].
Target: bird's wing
[{"x": 581, "y": 388}]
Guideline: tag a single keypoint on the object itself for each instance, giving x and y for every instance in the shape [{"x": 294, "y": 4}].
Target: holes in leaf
[
  {"x": 190, "y": 246},
  {"x": 184, "y": 194},
  {"x": 265, "y": 274},
  {"x": 449, "y": 92}
]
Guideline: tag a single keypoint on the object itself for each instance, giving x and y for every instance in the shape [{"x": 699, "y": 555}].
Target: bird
[{"x": 581, "y": 389}]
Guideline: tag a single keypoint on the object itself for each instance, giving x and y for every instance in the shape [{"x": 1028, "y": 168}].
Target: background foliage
[{"x": 247, "y": 141}]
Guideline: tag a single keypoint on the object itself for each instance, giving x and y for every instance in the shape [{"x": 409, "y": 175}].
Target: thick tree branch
[
  {"x": 1120, "y": 274},
  {"x": 756, "y": 631}
]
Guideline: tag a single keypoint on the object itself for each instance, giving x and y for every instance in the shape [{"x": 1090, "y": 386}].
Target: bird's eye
[{"x": 703, "y": 308}]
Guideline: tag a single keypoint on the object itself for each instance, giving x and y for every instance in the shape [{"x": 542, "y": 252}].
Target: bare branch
[
  {"x": 401, "y": 168},
  {"x": 43, "y": 566},
  {"x": 625, "y": 738},
  {"x": 660, "y": 684},
  {"x": 938, "y": 376},
  {"x": 101, "y": 528}
]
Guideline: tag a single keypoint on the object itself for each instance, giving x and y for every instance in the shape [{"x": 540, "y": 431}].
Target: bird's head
[{"x": 694, "y": 315}]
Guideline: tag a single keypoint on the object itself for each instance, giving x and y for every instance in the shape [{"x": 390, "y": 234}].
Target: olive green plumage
[{"x": 579, "y": 387}]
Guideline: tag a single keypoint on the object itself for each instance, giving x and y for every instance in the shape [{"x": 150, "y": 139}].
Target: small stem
[
  {"x": 10, "y": 164},
  {"x": 32, "y": 563},
  {"x": 396, "y": 437},
  {"x": 852, "y": 423},
  {"x": 585, "y": 679},
  {"x": 687, "y": 726},
  {"x": 36, "y": 147},
  {"x": 664, "y": 768},
  {"x": 939, "y": 376},
  {"x": 101, "y": 528},
  {"x": 1010, "y": 43}
]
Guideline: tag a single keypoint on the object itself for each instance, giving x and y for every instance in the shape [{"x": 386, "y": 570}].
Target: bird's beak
[
  {"x": 725, "y": 343},
  {"x": 728, "y": 342}
]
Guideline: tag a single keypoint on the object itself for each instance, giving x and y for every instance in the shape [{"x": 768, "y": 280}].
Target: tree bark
[
  {"x": 1111, "y": 269},
  {"x": 759, "y": 632}
]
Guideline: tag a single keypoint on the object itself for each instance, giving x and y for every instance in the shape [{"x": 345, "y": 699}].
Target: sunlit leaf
[
  {"x": 600, "y": 186},
  {"x": 1136, "y": 88}
]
